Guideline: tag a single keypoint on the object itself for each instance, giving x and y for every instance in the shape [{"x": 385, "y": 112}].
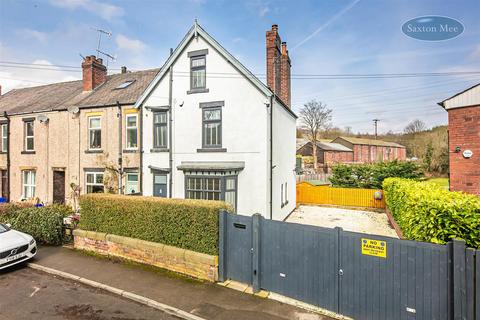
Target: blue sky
[{"x": 324, "y": 37}]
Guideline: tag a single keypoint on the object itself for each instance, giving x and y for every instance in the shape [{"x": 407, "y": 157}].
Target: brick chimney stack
[
  {"x": 278, "y": 66},
  {"x": 94, "y": 73}
]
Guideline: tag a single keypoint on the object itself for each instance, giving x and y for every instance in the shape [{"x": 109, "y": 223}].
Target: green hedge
[
  {"x": 45, "y": 224},
  {"x": 188, "y": 224},
  {"x": 427, "y": 212},
  {"x": 371, "y": 176}
]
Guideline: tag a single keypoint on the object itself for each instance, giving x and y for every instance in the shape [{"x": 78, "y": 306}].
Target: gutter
[{"x": 8, "y": 154}]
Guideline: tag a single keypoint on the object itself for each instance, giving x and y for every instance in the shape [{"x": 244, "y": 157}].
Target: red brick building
[
  {"x": 328, "y": 153},
  {"x": 370, "y": 150},
  {"x": 464, "y": 139}
]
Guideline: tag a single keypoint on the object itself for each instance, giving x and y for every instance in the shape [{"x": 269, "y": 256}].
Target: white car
[{"x": 15, "y": 246}]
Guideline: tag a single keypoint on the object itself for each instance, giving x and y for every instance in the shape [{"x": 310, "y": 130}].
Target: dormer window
[{"x": 125, "y": 84}]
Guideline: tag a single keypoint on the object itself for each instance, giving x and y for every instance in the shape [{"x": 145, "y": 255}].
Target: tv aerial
[{"x": 101, "y": 33}]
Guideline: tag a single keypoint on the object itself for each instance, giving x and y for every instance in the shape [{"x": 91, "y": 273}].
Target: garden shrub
[
  {"x": 187, "y": 224},
  {"x": 427, "y": 212},
  {"x": 371, "y": 176},
  {"x": 44, "y": 224}
]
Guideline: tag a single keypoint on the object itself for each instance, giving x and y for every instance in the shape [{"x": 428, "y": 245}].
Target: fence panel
[
  {"x": 309, "y": 194},
  {"x": 300, "y": 262},
  {"x": 410, "y": 282}
]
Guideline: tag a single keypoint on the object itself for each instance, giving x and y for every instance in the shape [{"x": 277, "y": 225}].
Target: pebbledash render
[
  {"x": 464, "y": 140},
  {"x": 201, "y": 127},
  {"x": 212, "y": 130}
]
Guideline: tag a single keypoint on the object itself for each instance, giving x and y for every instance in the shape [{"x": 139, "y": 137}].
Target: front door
[
  {"x": 59, "y": 187},
  {"x": 4, "y": 185},
  {"x": 159, "y": 185}
]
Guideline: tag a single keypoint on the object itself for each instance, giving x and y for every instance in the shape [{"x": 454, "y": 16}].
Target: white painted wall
[
  {"x": 470, "y": 97},
  {"x": 244, "y": 128},
  {"x": 284, "y": 149}
]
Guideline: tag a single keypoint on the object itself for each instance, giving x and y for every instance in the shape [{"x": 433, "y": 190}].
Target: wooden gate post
[
  {"x": 222, "y": 238},
  {"x": 256, "y": 227}
]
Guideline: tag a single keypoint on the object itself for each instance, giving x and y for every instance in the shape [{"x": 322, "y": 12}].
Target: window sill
[
  {"x": 192, "y": 91},
  {"x": 28, "y": 152},
  {"x": 212, "y": 150},
  {"x": 94, "y": 151},
  {"x": 154, "y": 150},
  {"x": 130, "y": 151},
  {"x": 3, "y": 152}
]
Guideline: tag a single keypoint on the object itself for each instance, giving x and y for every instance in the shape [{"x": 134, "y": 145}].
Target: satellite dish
[
  {"x": 42, "y": 118},
  {"x": 73, "y": 109}
]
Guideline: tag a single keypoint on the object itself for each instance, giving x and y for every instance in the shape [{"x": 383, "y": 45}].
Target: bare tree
[
  {"x": 314, "y": 117},
  {"x": 415, "y": 126}
]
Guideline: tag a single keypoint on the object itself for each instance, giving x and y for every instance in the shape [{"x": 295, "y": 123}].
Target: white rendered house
[{"x": 212, "y": 130}]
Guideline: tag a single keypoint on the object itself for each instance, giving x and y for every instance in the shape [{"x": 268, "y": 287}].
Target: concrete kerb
[{"x": 127, "y": 295}]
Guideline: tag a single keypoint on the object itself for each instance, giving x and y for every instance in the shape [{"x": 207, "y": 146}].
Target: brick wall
[
  {"x": 195, "y": 264},
  {"x": 464, "y": 132},
  {"x": 332, "y": 157}
]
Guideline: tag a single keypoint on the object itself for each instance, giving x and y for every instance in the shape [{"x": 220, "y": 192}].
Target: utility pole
[{"x": 375, "y": 123}]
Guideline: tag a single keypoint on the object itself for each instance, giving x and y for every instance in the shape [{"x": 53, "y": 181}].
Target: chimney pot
[
  {"x": 274, "y": 27},
  {"x": 284, "y": 48},
  {"x": 124, "y": 69}
]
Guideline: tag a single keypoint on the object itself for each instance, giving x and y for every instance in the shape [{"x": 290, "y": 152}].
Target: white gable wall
[
  {"x": 244, "y": 127},
  {"x": 468, "y": 98}
]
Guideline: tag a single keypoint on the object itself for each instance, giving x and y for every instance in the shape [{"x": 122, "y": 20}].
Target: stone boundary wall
[{"x": 195, "y": 264}]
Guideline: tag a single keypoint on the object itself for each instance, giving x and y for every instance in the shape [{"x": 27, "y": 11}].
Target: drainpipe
[
  {"x": 170, "y": 138},
  {"x": 8, "y": 154},
  {"x": 271, "y": 157},
  {"x": 140, "y": 148},
  {"x": 120, "y": 151}
]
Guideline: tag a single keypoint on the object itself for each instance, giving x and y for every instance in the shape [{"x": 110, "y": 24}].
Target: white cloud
[
  {"x": 263, "y": 11},
  {"x": 134, "y": 46},
  {"x": 106, "y": 11},
  {"x": 33, "y": 34}
]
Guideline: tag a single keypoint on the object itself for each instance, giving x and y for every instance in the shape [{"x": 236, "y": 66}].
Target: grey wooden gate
[{"x": 328, "y": 268}]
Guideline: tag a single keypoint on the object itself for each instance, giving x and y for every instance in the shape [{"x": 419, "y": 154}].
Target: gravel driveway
[{"x": 349, "y": 220}]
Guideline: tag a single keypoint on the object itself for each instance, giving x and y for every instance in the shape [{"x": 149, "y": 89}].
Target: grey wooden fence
[{"x": 328, "y": 268}]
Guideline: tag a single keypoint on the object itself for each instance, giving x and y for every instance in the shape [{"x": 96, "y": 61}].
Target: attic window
[{"x": 125, "y": 84}]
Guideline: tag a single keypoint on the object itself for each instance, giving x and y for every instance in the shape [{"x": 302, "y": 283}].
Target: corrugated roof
[
  {"x": 371, "y": 142},
  {"x": 59, "y": 96},
  {"x": 331, "y": 146}
]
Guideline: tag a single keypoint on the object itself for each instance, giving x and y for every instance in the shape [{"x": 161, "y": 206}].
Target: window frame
[
  {"x": 198, "y": 68},
  {"x": 204, "y": 122},
  {"x": 32, "y": 187},
  {"x": 90, "y": 129},
  {"x": 127, "y": 174},
  {"x": 223, "y": 187},
  {"x": 94, "y": 173},
  {"x": 26, "y": 136},
  {"x": 4, "y": 137},
  {"x": 160, "y": 125},
  {"x": 127, "y": 129}
]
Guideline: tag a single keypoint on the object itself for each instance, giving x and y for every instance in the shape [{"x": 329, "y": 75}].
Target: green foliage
[
  {"x": 188, "y": 224},
  {"x": 371, "y": 176},
  {"x": 45, "y": 224},
  {"x": 428, "y": 212}
]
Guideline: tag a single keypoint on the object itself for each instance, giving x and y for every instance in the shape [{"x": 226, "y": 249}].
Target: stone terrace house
[
  {"x": 464, "y": 139},
  {"x": 80, "y": 132},
  {"x": 371, "y": 150}
]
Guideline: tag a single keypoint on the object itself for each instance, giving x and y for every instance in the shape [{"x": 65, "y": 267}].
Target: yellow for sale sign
[{"x": 374, "y": 248}]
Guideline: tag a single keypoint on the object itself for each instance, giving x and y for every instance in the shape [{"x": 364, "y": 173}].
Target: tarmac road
[{"x": 29, "y": 294}]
